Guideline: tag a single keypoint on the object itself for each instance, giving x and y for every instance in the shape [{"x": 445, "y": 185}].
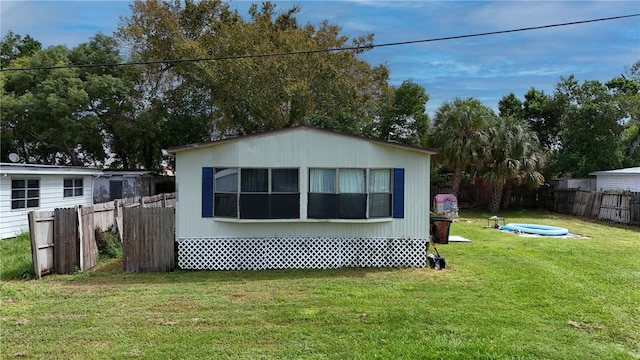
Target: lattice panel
[{"x": 299, "y": 253}]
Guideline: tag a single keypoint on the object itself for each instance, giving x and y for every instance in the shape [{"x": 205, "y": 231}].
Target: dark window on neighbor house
[
  {"x": 344, "y": 193},
  {"x": 262, "y": 193},
  {"x": 73, "y": 187},
  {"x": 25, "y": 193}
]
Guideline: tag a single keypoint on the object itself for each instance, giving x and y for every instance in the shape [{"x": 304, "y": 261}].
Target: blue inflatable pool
[{"x": 536, "y": 229}]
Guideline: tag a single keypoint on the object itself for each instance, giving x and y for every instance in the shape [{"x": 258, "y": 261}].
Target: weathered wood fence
[
  {"x": 63, "y": 241},
  {"x": 148, "y": 239},
  {"x": 622, "y": 207}
]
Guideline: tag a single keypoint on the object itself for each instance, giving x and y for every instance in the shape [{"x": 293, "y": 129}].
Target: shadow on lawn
[{"x": 111, "y": 272}]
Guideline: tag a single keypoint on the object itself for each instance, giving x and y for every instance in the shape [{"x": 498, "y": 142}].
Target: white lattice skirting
[{"x": 299, "y": 252}]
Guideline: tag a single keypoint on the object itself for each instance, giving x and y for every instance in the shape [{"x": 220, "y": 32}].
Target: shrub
[{"x": 109, "y": 245}]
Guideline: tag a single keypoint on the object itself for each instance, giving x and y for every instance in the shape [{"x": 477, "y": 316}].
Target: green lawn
[{"x": 501, "y": 297}]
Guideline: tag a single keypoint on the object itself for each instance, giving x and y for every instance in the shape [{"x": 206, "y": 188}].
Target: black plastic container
[{"x": 440, "y": 229}]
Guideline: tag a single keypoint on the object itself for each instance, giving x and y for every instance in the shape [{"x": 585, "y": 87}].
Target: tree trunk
[
  {"x": 506, "y": 199},
  {"x": 634, "y": 144},
  {"x": 457, "y": 180},
  {"x": 496, "y": 197}
]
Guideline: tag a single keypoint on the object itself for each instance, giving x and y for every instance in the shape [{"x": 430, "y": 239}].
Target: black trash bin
[{"x": 440, "y": 229}]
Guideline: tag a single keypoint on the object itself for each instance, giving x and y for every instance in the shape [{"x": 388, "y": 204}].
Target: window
[
  {"x": 379, "y": 193},
  {"x": 225, "y": 203},
  {"x": 344, "y": 193},
  {"x": 73, "y": 187},
  {"x": 256, "y": 193},
  {"x": 25, "y": 193}
]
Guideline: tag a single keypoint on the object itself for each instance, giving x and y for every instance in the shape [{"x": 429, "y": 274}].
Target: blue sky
[{"x": 486, "y": 68}]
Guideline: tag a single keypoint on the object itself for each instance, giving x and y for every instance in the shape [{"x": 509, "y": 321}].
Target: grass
[
  {"x": 501, "y": 297},
  {"x": 15, "y": 258}
]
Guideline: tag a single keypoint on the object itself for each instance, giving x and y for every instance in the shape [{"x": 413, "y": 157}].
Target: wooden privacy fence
[
  {"x": 617, "y": 206},
  {"x": 148, "y": 239},
  {"x": 63, "y": 240}
]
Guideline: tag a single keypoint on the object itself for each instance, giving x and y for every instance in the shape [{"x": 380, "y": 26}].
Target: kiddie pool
[{"x": 536, "y": 229}]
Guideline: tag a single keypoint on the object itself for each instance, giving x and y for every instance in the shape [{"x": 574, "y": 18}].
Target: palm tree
[
  {"x": 512, "y": 158},
  {"x": 460, "y": 133}
]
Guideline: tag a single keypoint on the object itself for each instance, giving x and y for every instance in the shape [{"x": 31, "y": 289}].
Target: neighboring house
[
  {"x": 111, "y": 185},
  {"x": 301, "y": 197},
  {"x": 25, "y": 187},
  {"x": 586, "y": 184},
  {"x": 620, "y": 179}
]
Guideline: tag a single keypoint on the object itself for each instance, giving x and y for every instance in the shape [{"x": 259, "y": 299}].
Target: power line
[{"x": 315, "y": 51}]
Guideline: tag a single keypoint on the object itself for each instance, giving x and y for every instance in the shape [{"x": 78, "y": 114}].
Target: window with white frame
[
  {"x": 73, "y": 187},
  {"x": 344, "y": 193},
  {"x": 380, "y": 194},
  {"x": 256, "y": 193},
  {"x": 25, "y": 193}
]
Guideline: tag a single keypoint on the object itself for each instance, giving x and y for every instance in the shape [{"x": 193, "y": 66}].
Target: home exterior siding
[
  {"x": 628, "y": 182},
  {"x": 621, "y": 179},
  {"x": 302, "y": 148},
  {"x": 15, "y": 221}
]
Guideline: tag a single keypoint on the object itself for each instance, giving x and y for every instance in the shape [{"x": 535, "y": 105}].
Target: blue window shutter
[
  {"x": 398, "y": 193},
  {"x": 207, "y": 192}
]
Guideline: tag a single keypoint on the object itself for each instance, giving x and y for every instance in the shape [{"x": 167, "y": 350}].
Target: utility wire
[{"x": 315, "y": 51}]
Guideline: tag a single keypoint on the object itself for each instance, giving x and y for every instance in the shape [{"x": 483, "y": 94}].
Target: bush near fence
[{"x": 63, "y": 241}]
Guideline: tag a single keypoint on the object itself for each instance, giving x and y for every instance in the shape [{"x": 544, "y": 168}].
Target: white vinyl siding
[
  {"x": 311, "y": 149},
  {"x": 15, "y": 221}
]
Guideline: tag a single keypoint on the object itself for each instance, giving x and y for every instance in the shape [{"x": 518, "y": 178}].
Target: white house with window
[
  {"x": 301, "y": 197},
  {"x": 25, "y": 187}
]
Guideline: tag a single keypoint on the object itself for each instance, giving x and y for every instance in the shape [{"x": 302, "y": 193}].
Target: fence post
[
  {"x": 34, "y": 244},
  {"x": 80, "y": 234}
]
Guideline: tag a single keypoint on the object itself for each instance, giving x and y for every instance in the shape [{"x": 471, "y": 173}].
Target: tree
[
  {"x": 513, "y": 158},
  {"x": 405, "y": 120},
  {"x": 510, "y": 106},
  {"x": 61, "y": 116},
  {"x": 626, "y": 90},
  {"x": 592, "y": 126},
  {"x": 14, "y": 46},
  {"x": 251, "y": 94},
  {"x": 544, "y": 115},
  {"x": 460, "y": 133}
]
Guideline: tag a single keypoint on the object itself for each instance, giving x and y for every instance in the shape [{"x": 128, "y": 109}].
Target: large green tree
[
  {"x": 460, "y": 133},
  {"x": 63, "y": 115},
  {"x": 626, "y": 90},
  {"x": 592, "y": 128},
  {"x": 242, "y": 93},
  {"x": 14, "y": 46},
  {"x": 403, "y": 117}
]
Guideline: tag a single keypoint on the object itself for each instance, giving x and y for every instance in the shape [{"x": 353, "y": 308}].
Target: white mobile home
[
  {"x": 627, "y": 179},
  {"x": 301, "y": 197},
  {"x": 26, "y": 187}
]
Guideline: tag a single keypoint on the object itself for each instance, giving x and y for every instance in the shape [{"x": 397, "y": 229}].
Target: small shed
[
  {"x": 27, "y": 187},
  {"x": 301, "y": 197},
  {"x": 113, "y": 184},
  {"x": 627, "y": 179}
]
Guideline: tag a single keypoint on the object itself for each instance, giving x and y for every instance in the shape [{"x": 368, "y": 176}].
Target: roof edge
[{"x": 175, "y": 149}]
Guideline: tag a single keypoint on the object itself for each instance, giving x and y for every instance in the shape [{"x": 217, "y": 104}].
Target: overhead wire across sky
[{"x": 315, "y": 51}]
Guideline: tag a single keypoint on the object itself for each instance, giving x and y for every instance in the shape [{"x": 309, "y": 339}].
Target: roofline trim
[{"x": 175, "y": 149}]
